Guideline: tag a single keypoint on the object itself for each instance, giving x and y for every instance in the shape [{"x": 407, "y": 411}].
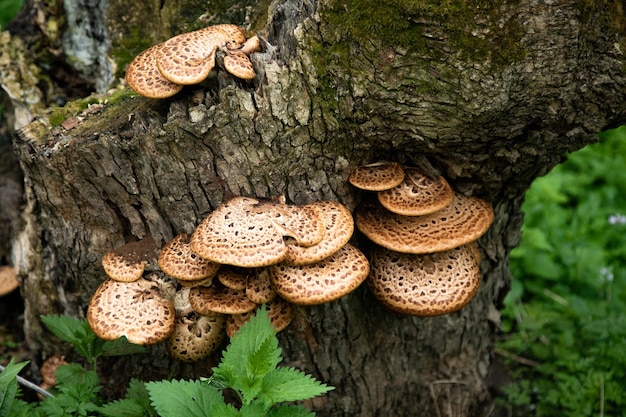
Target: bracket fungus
[
  {"x": 8, "y": 280},
  {"x": 280, "y": 312},
  {"x": 177, "y": 260},
  {"x": 378, "y": 176},
  {"x": 219, "y": 299},
  {"x": 134, "y": 309},
  {"x": 417, "y": 194},
  {"x": 338, "y": 229},
  {"x": 241, "y": 233},
  {"x": 462, "y": 221},
  {"x": 425, "y": 285},
  {"x": 323, "y": 281},
  {"x": 195, "y": 336},
  {"x": 144, "y": 78},
  {"x": 127, "y": 263},
  {"x": 188, "y": 58}
]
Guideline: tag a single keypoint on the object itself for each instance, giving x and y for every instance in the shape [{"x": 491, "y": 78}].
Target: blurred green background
[
  {"x": 8, "y": 9},
  {"x": 565, "y": 316}
]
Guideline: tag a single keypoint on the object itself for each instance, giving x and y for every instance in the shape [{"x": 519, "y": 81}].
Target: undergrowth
[
  {"x": 565, "y": 316},
  {"x": 249, "y": 368}
]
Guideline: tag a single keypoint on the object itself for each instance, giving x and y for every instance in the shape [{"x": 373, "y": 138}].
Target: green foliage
[
  {"x": 8, "y": 386},
  {"x": 78, "y": 333},
  {"x": 249, "y": 366},
  {"x": 566, "y": 307},
  {"x": 8, "y": 10}
]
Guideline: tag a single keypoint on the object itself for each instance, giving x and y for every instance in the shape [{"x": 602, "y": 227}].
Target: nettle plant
[{"x": 249, "y": 367}]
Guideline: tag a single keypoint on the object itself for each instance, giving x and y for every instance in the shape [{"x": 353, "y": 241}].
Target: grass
[{"x": 566, "y": 311}]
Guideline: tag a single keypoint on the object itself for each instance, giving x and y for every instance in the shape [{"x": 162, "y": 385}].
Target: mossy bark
[{"x": 492, "y": 95}]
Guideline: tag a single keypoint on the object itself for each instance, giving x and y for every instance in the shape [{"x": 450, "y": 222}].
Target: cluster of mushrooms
[
  {"x": 163, "y": 69},
  {"x": 246, "y": 253},
  {"x": 425, "y": 261}
]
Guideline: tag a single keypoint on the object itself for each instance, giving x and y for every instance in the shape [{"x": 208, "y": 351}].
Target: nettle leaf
[
  {"x": 73, "y": 379},
  {"x": 75, "y": 331},
  {"x": 21, "y": 408},
  {"x": 285, "y": 410},
  {"x": 289, "y": 384},
  {"x": 121, "y": 347},
  {"x": 123, "y": 408},
  {"x": 8, "y": 386},
  {"x": 188, "y": 398},
  {"x": 249, "y": 352}
]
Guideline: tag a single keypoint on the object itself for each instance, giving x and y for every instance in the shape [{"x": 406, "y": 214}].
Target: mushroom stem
[{"x": 26, "y": 383}]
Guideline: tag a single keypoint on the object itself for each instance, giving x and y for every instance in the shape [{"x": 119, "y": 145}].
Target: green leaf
[
  {"x": 8, "y": 386},
  {"x": 250, "y": 355},
  {"x": 23, "y": 409},
  {"x": 285, "y": 410},
  {"x": 121, "y": 347},
  {"x": 123, "y": 408},
  {"x": 187, "y": 398},
  {"x": 289, "y": 384},
  {"x": 75, "y": 331},
  {"x": 73, "y": 379}
]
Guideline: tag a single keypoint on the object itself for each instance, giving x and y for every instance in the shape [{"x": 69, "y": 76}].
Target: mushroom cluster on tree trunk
[{"x": 427, "y": 264}]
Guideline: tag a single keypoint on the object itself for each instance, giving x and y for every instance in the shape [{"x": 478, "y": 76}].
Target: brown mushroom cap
[
  {"x": 219, "y": 299},
  {"x": 189, "y": 57},
  {"x": 238, "y": 64},
  {"x": 259, "y": 288},
  {"x": 48, "y": 370},
  {"x": 144, "y": 77},
  {"x": 338, "y": 225},
  {"x": 177, "y": 260},
  {"x": 132, "y": 309},
  {"x": 127, "y": 263},
  {"x": 234, "y": 277},
  {"x": 417, "y": 195},
  {"x": 280, "y": 313},
  {"x": 321, "y": 282},
  {"x": 8, "y": 280},
  {"x": 425, "y": 285},
  {"x": 195, "y": 336},
  {"x": 239, "y": 233},
  {"x": 378, "y": 176},
  {"x": 462, "y": 221},
  {"x": 302, "y": 223}
]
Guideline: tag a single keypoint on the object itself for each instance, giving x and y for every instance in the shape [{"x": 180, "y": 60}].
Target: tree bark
[{"x": 492, "y": 94}]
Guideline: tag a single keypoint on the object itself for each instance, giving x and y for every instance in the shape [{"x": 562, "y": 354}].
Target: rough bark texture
[{"x": 491, "y": 93}]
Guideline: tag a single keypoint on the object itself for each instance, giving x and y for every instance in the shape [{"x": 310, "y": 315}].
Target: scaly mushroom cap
[
  {"x": 462, "y": 221},
  {"x": 259, "y": 288},
  {"x": 132, "y": 309},
  {"x": 144, "y": 77},
  {"x": 234, "y": 277},
  {"x": 189, "y": 57},
  {"x": 195, "y": 336},
  {"x": 219, "y": 299},
  {"x": 302, "y": 223},
  {"x": 279, "y": 311},
  {"x": 238, "y": 64},
  {"x": 338, "y": 225},
  {"x": 179, "y": 261},
  {"x": 417, "y": 195},
  {"x": 8, "y": 280},
  {"x": 323, "y": 281},
  {"x": 241, "y": 233},
  {"x": 378, "y": 176},
  {"x": 425, "y": 285},
  {"x": 127, "y": 263}
]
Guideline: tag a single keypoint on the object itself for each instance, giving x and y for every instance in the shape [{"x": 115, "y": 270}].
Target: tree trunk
[{"x": 492, "y": 93}]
